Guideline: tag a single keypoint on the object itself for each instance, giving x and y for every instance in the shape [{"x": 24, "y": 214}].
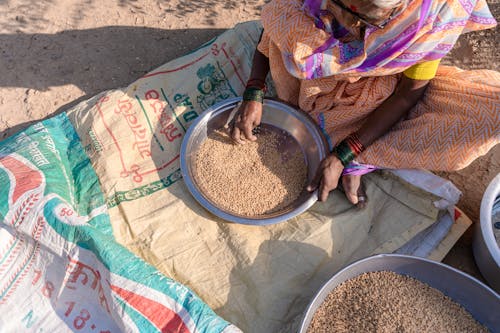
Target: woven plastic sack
[{"x": 60, "y": 266}]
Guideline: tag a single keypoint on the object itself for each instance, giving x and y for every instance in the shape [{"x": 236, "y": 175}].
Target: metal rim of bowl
[
  {"x": 485, "y": 217},
  {"x": 196, "y": 193},
  {"x": 303, "y": 328}
]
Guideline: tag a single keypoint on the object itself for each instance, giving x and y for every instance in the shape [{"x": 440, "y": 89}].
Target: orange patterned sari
[{"x": 456, "y": 121}]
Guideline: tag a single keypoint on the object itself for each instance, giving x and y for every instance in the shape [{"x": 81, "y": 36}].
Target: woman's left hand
[
  {"x": 327, "y": 177},
  {"x": 354, "y": 190}
]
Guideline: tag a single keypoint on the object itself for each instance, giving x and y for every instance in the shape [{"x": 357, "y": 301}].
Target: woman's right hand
[{"x": 245, "y": 120}]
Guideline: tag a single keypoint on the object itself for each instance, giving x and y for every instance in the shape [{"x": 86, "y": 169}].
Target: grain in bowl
[
  {"x": 253, "y": 179},
  {"x": 385, "y": 301}
]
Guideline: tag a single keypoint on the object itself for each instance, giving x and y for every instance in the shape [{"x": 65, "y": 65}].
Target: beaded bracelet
[
  {"x": 253, "y": 94},
  {"x": 348, "y": 149}
]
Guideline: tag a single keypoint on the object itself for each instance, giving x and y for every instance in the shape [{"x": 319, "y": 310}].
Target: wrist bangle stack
[
  {"x": 255, "y": 90},
  {"x": 347, "y": 150},
  {"x": 253, "y": 94},
  {"x": 355, "y": 144}
]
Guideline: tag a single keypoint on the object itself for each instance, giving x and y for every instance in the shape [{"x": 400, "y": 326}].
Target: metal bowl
[
  {"x": 477, "y": 298},
  {"x": 485, "y": 247},
  {"x": 304, "y": 135}
]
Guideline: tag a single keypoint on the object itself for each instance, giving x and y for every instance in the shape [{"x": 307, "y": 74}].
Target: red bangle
[
  {"x": 353, "y": 147},
  {"x": 356, "y": 145},
  {"x": 256, "y": 83}
]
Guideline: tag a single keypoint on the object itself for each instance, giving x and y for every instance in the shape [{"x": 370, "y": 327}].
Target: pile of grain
[
  {"x": 251, "y": 179},
  {"x": 389, "y": 302}
]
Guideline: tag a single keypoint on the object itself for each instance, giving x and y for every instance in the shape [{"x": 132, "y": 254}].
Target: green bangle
[
  {"x": 344, "y": 153},
  {"x": 253, "y": 94}
]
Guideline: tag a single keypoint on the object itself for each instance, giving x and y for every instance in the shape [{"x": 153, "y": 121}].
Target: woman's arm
[
  {"x": 260, "y": 66},
  {"x": 379, "y": 122},
  {"x": 250, "y": 112},
  {"x": 407, "y": 94}
]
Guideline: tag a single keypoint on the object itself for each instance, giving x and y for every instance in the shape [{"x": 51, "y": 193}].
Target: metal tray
[{"x": 305, "y": 133}]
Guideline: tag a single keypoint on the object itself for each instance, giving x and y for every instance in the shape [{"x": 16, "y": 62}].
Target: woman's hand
[
  {"x": 245, "y": 120},
  {"x": 354, "y": 190},
  {"x": 327, "y": 177}
]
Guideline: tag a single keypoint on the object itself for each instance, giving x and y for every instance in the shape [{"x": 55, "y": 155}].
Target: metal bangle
[
  {"x": 344, "y": 153},
  {"x": 253, "y": 94}
]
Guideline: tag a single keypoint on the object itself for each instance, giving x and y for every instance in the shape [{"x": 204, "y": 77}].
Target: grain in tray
[{"x": 252, "y": 179}]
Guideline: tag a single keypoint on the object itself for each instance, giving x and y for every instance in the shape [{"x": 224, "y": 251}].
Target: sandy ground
[{"x": 55, "y": 53}]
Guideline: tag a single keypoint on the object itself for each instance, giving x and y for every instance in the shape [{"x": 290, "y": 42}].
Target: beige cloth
[{"x": 259, "y": 278}]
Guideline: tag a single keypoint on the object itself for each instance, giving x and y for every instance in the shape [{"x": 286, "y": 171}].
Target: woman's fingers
[
  {"x": 258, "y": 118},
  {"x": 236, "y": 135},
  {"x": 351, "y": 185},
  {"x": 241, "y": 130},
  {"x": 353, "y": 198},
  {"x": 237, "y": 130},
  {"x": 323, "y": 190},
  {"x": 329, "y": 182},
  {"x": 354, "y": 190},
  {"x": 246, "y": 119},
  {"x": 327, "y": 177},
  {"x": 325, "y": 187},
  {"x": 313, "y": 185},
  {"x": 362, "y": 197},
  {"x": 247, "y": 131}
]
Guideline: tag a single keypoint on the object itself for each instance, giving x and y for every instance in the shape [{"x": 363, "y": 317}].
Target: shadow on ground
[{"x": 94, "y": 60}]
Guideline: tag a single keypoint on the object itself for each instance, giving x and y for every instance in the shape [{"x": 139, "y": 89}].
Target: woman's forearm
[
  {"x": 249, "y": 114},
  {"x": 260, "y": 66},
  {"x": 393, "y": 109}
]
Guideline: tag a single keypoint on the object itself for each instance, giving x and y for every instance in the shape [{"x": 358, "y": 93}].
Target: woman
[{"x": 367, "y": 72}]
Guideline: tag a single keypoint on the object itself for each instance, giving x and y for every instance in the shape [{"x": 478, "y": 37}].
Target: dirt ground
[{"x": 55, "y": 53}]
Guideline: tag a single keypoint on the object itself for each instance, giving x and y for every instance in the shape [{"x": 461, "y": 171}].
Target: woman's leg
[{"x": 457, "y": 121}]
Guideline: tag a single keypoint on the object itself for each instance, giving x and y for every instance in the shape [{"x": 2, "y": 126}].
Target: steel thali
[{"x": 303, "y": 132}]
